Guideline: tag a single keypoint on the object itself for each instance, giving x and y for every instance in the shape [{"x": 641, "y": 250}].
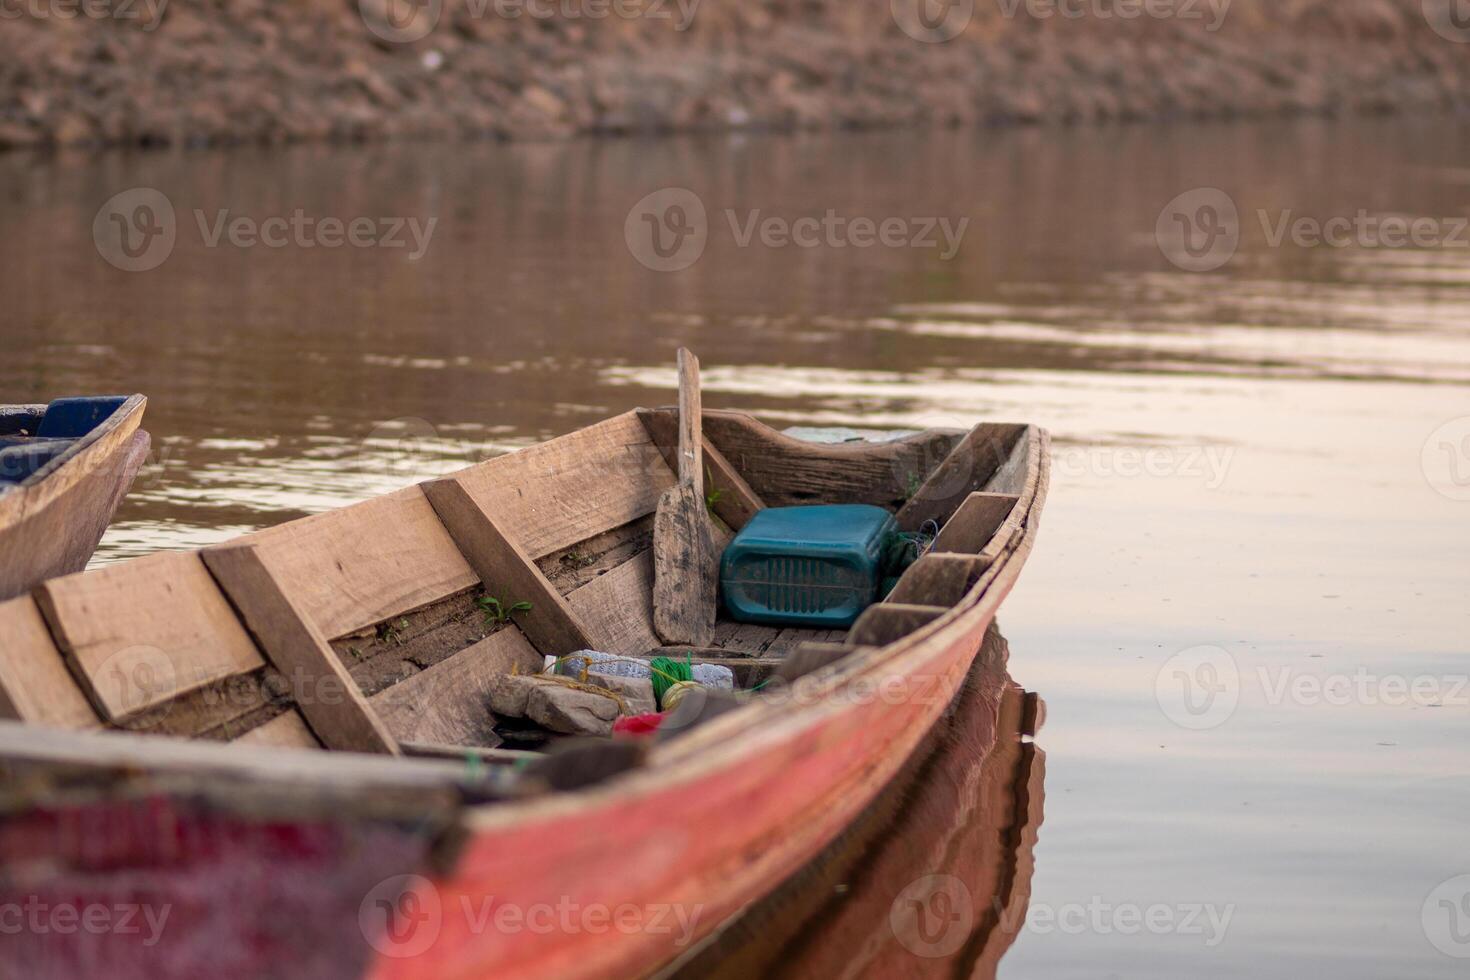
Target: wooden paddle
[{"x": 684, "y": 573}]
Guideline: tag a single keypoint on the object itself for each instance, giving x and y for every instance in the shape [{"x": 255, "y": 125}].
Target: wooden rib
[
  {"x": 288, "y": 730},
  {"x": 1019, "y": 470},
  {"x": 616, "y": 609},
  {"x": 966, "y": 469},
  {"x": 736, "y": 503},
  {"x": 786, "y": 471},
  {"x": 507, "y": 570},
  {"x": 574, "y": 487},
  {"x": 937, "y": 579},
  {"x": 360, "y": 565},
  {"x": 808, "y": 658},
  {"x": 448, "y": 703},
  {"x": 325, "y": 693},
  {"x": 140, "y": 633},
  {"x": 35, "y": 685},
  {"x": 975, "y": 523},
  {"x": 882, "y": 624}
]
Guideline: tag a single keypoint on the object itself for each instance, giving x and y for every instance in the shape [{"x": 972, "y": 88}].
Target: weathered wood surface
[
  {"x": 362, "y": 564},
  {"x": 321, "y": 688},
  {"x": 888, "y": 622},
  {"x": 967, "y": 468},
  {"x": 685, "y": 580},
  {"x": 35, "y": 685},
  {"x": 141, "y": 633},
  {"x": 558, "y": 493},
  {"x": 449, "y": 703},
  {"x": 286, "y": 730},
  {"x": 937, "y": 579},
  {"x": 735, "y": 502},
  {"x": 507, "y": 570},
  {"x": 975, "y": 523},
  {"x": 51, "y": 526},
  {"x": 615, "y": 610},
  {"x": 786, "y": 471}
]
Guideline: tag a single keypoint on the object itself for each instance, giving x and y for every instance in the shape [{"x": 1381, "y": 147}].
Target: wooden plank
[
  {"x": 617, "y": 610},
  {"x": 35, "y": 685},
  {"x": 966, "y": 469},
  {"x": 288, "y": 730},
  {"x": 448, "y": 704},
  {"x": 975, "y": 523},
  {"x": 808, "y": 658},
  {"x": 886, "y": 622},
  {"x": 507, "y": 570},
  {"x": 785, "y": 471},
  {"x": 937, "y": 579},
  {"x": 142, "y": 632},
  {"x": 574, "y": 487},
  {"x": 360, "y": 565},
  {"x": 735, "y": 502},
  {"x": 325, "y": 693}
]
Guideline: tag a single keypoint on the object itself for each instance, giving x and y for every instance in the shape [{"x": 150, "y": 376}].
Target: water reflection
[{"x": 934, "y": 880}]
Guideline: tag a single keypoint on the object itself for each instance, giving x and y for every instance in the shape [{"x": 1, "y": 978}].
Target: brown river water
[{"x": 1249, "y": 608}]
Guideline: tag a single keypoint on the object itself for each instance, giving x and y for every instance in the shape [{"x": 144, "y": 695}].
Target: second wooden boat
[
  {"x": 364, "y": 629},
  {"x": 64, "y": 468}
]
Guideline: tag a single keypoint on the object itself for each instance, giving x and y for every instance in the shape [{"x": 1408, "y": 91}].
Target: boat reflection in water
[{"x": 935, "y": 878}]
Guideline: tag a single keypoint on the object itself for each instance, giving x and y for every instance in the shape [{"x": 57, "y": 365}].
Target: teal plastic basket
[{"x": 816, "y": 567}]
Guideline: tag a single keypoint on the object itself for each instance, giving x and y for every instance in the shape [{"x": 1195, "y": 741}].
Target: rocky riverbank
[{"x": 220, "y": 71}]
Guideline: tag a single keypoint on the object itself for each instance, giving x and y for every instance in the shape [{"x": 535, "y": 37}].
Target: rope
[{"x": 668, "y": 672}]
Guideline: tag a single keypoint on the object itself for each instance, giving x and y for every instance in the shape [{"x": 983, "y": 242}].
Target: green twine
[{"x": 665, "y": 672}]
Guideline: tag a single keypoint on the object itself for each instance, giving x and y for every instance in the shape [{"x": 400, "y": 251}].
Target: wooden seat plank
[
  {"x": 35, "y": 685},
  {"x": 552, "y": 495},
  {"x": 448, "y": 704},
  {"x": 143, "y": 632},
  {"x": 325, "y": 693},
  {"x": 975, "y": 523},
  {"x": 617, "y": 609},
  {"x": 886, "y": 622},
  {"x": 937, "y": 579}
]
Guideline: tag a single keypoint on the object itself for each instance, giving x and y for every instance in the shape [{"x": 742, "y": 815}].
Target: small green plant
[
  {"x": 575, "y": 559},
  {"x": 714, "y": 496},
  {"x": 389, "y": 632},
  {"x": 913, "y": 487},
  {"x": 497, "y": 612}
]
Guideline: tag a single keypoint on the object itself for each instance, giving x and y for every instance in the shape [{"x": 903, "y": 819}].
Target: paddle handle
[{"x": 691, "y": 442}]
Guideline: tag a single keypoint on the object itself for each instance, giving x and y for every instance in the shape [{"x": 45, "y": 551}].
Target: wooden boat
[
  {"x": 64, "y": 468},
  {"x": 358, "y": 629}
]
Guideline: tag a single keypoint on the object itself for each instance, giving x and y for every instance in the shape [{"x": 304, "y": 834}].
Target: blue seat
[{"x": 72, "y": 418}]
